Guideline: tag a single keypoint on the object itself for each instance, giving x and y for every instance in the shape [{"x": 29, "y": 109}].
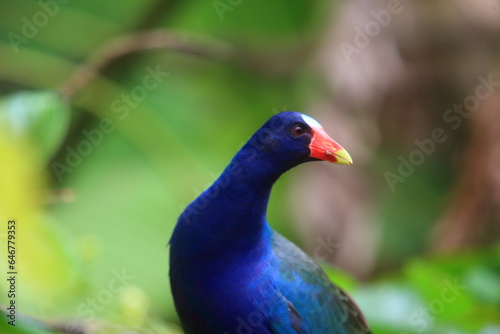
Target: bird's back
[
  {"x": 284, "y": 292},
  {"x": 319, "y": 306}
]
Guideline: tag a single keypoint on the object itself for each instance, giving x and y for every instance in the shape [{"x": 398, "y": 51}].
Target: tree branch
[{"x": 119, "y": 47}]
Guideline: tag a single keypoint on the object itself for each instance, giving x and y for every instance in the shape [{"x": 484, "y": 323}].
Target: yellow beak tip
[{"x": 343, "y": 158}]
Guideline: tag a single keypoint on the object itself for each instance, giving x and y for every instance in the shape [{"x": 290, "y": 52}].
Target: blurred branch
[{"x": 147, "y": 40}]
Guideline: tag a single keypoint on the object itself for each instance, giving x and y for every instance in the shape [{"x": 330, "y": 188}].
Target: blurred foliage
[
  {"x": 96, "y": 184},
  {"x": 40, "y": 117}
]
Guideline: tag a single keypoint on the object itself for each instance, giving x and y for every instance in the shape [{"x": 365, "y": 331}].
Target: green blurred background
[{"x": 115, "y": 115}]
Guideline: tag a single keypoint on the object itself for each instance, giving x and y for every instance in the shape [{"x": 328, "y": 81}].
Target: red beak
[{"x": 325, "y": 148}]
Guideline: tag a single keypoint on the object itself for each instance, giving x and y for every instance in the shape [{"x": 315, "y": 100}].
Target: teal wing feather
[{"x": 315, "y": 302}]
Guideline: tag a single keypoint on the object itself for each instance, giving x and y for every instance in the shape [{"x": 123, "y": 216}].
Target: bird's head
[
  {"x": 289, "y": 139},
  {"x": 295, "y": 138}
]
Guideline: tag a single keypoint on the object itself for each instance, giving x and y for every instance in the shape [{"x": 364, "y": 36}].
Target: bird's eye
[{"x": 298, "y": 130}]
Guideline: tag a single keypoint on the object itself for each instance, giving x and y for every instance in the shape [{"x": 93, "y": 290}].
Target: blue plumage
[{"x": 230, "y": 272}]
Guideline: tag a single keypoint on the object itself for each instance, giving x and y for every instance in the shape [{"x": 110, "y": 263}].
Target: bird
[{"x": 230, "y": 272}]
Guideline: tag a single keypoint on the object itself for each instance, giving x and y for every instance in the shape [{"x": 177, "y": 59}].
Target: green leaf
[{"x": 41, "y": 117}]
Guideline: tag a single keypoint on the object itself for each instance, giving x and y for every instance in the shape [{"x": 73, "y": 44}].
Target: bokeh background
[{"x": 115, "y": 115}]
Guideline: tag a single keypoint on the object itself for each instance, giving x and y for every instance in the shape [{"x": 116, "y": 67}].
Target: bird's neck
[{"x": 230, "y": 216}]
